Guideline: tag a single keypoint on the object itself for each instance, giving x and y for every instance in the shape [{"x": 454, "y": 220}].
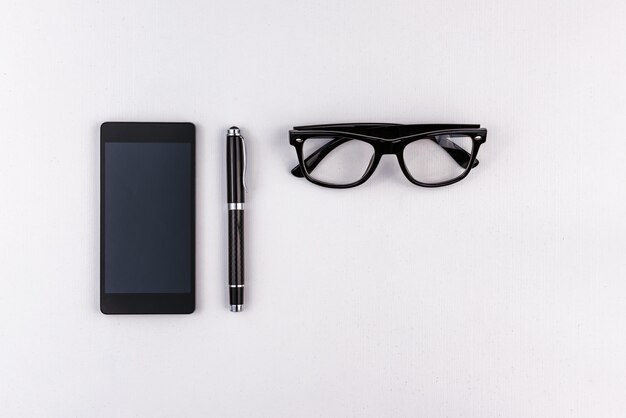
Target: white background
[{"x": 501, "y": 296}]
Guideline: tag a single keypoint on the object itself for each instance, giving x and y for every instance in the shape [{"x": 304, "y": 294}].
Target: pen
[{"x": 236, "y": 187}]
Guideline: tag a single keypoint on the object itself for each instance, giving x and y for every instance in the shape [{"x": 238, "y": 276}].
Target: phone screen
[{"x": 149, "y": 226}]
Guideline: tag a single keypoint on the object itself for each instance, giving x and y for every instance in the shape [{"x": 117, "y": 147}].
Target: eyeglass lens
[{"x": 341, "y": 161}]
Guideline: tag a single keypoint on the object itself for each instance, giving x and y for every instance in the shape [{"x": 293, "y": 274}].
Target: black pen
[{"x": 236, "y": 185}]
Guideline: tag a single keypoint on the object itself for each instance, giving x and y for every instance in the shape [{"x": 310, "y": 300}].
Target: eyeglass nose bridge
[{"x": 389, "y": 147}]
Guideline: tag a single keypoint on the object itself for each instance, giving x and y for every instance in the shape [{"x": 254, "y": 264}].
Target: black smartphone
[{"x": 147, "y": 218}]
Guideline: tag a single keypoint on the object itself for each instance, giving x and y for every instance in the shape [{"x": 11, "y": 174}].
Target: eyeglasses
[{"x": 346, "y": 155}]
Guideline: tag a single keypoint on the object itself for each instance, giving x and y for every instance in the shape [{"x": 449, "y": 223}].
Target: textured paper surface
[{"x": 501, "y": 296}]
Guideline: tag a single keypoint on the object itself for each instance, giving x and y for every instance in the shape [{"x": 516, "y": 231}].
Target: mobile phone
[{"x": 147, "y": 218}]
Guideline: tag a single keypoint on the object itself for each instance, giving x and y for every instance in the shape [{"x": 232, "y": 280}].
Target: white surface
[{"x": 501, "y": 296}]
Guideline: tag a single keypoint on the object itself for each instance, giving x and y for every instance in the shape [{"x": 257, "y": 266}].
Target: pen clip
[{"x": 245, "y": 163}]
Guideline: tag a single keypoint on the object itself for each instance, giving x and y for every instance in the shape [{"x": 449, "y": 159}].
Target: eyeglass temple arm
[
  {"x": 318, "y": 155},
  {"x": 457, "y": 153},
  {"x": 386, "y": 130},
  {"x": 345, "y": 127}
]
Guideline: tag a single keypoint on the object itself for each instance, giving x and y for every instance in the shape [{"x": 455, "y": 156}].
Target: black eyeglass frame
[{"x": 383, "y": 143}]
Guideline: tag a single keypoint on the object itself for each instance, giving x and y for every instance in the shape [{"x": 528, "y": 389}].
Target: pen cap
[{"x": 235, "y": 160}]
